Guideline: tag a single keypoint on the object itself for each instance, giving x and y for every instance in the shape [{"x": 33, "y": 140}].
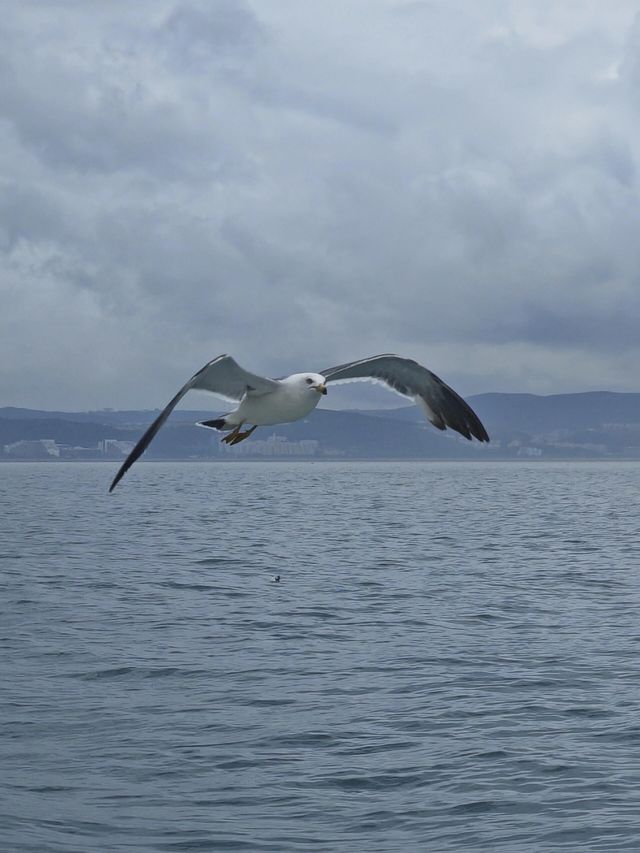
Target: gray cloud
[{"x": 301, "y": 185}]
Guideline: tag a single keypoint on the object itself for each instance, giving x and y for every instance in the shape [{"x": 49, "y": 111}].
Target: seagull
[{"x": 265, "y": 402}]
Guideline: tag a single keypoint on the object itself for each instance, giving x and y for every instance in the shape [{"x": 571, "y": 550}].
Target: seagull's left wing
[
  {"x": 442, "y": 406},
  {"x": 222, "y": 376}
]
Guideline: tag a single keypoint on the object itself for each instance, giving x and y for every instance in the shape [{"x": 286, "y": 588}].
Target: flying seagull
[{"x": 264, "y": 402}]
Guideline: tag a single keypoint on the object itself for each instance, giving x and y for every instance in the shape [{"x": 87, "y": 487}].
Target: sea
[{"x": 449, "y": 660}]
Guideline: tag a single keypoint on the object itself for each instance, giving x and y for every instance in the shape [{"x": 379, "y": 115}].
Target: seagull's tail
[{"x": 218, "y": 423}]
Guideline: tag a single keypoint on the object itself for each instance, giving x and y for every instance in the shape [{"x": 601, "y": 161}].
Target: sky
[{"x": 300, "y": 184}]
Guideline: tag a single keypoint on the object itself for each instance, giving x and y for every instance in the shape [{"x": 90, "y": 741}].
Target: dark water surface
[{"x": 450, "y": 662}]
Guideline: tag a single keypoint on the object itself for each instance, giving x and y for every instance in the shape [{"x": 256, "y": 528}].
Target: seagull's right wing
[
  {"x": 406, "y": 377},
  {"x": 222, "y": 376}
]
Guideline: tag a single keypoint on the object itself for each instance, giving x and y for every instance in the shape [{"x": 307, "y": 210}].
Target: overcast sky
[{"x": 301, "y": 183}]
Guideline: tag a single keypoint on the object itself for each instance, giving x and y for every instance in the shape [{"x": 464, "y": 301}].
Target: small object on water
[{"x": 276, "y": 578}]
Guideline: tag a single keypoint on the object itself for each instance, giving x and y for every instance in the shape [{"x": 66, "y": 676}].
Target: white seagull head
[{"x": 306, "y": 382}]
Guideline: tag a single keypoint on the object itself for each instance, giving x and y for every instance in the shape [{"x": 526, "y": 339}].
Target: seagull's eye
[{"x": 309, "y": 381}]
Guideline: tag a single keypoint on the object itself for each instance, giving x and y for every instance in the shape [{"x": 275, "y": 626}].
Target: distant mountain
[
  {"x": 534, "y": 413},
  {"x": 356, "y": 435},
  {"x": 590, "y": 424},
  {"x": 121, "y": 418},
  {"x": 63, "y": 431},
  {"x": 337, "y": 434},
  {"x": 598, "y": 424}
]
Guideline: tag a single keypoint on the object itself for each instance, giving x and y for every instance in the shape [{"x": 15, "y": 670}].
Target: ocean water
[{"x": 450, "y": 661}]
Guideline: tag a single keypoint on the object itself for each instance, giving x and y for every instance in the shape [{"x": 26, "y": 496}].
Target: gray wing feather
[
  {"x": 222, "y": 376},
  {"x": 442, "y": 406},
  {"x": 225, "y": 377}
]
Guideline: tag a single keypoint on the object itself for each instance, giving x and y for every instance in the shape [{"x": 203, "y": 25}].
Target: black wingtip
[
  {"x": 477, "y": 430},
  {"x": 116, "y": 480}
]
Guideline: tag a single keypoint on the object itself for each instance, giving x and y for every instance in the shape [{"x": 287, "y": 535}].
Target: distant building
[
  {"x": 79, "y": 453},
  {"x": 46, "y": 449},
  {"x": 275, "y": 445},
  {"x": 115, "y": 448},
  {"x": 531, "y": 452},
  {"x": 41, "y": 448}
]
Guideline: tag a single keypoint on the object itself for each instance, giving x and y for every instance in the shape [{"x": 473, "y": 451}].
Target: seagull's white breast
[{"x": 289, "y": 402}]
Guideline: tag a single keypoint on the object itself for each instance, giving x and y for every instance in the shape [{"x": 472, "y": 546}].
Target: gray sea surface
[{"x": 449, "y": 662}]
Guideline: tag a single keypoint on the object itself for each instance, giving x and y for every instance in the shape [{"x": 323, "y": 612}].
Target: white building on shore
[{"x": 274, "y": 445}]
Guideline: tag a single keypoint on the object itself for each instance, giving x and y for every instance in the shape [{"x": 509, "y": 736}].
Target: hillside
[{"x": 587, "y": 425}]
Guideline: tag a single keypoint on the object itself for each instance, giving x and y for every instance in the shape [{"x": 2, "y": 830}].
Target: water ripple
[{"x": 449, "y": 663}]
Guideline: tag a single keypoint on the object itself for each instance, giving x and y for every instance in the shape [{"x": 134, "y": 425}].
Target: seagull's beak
[{"x": 321, "y": 389}]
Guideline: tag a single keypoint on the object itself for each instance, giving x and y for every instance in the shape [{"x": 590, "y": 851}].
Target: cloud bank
[{"x": 301, "y": 184}]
